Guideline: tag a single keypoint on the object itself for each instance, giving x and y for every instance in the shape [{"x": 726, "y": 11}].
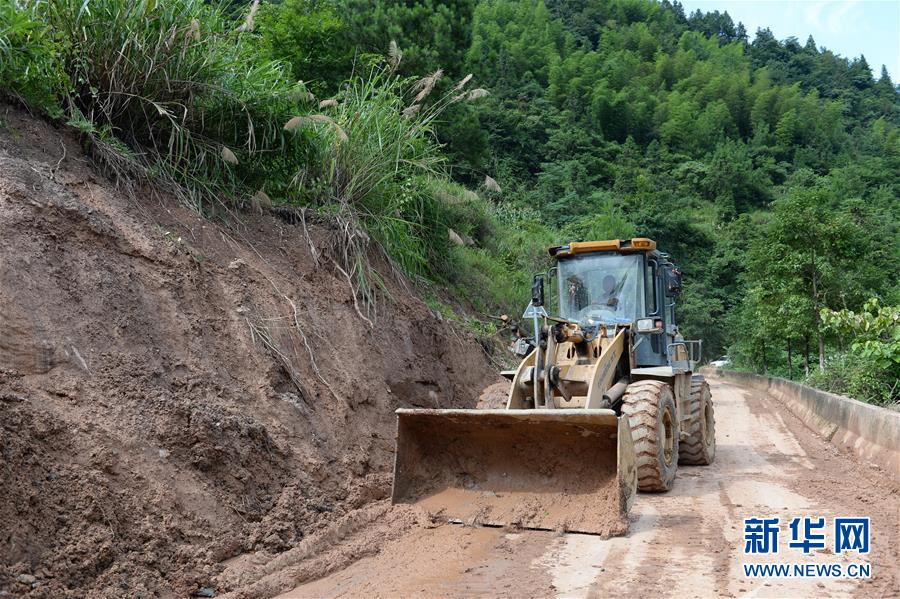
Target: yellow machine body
[{"x": 561, "y": 455}]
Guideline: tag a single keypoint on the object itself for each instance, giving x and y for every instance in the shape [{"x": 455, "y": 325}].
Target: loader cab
[{"x": 625, "y": 283}]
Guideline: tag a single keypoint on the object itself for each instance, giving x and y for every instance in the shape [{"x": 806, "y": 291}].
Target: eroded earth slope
[{"x": 176, "y": 392}]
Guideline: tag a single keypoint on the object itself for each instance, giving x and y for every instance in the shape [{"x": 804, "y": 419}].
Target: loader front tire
[
  {"x": 650, "y": 407},
  {"x": 699, "y": 447}
]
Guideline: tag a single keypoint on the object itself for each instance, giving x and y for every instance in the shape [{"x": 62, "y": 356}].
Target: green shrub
[
  {"x": 494, "y": 273},
  {"x": 874, "y": 332},
  {"x": 464, "y": 211},
  {"x": 312, "y": 38},
  {"x": 870, "y": 370},
  {"x": 488, "y": 284},
  {"x": 858, "y": 377},
  {"x": 29, "y": 67}
]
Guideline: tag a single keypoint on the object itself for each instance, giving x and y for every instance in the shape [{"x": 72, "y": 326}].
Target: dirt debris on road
[{"x": 685, "y": 543}]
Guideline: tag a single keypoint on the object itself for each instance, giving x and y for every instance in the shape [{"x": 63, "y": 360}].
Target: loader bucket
[{"x": 546, "y": 469}]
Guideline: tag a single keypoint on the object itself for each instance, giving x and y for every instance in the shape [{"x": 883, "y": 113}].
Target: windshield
[{"x": 601, "y": 288}]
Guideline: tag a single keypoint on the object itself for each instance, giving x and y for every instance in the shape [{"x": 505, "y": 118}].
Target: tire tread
[
  {"x": 641, "y": 406},
  {"x": 692, "y": 450}
]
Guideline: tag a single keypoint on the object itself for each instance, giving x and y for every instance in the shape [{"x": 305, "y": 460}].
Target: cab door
[
  {"x": 650, "y": 349},
  {"x": 671, "y": 279}
]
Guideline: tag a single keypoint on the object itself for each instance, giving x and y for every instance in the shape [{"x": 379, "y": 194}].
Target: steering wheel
[{"x": 594, "y": 308}]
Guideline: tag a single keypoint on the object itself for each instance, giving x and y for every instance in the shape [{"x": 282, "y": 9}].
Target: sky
[{"x": 846, "y": 27}]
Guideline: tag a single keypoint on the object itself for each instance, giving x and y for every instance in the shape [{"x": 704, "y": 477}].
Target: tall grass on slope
[
  {"x": 374, "y": 155},
  {"x": 168, "y": 89}
]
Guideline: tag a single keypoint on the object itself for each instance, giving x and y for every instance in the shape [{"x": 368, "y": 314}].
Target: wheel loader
[{"x": 605, "y": 402}]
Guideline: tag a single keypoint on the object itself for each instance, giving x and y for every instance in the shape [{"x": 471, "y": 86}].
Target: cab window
[
  {"x": 601, "y": 287},
  {"x": 650, "y": 287}
]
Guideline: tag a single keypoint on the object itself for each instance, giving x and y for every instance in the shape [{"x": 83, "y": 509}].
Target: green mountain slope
[
  {"x": 767, "y": 168},
  {"x": 759, "y": 164}
]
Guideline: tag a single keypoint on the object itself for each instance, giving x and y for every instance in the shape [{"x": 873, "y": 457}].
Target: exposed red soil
[{"x": 175, "y": 392}]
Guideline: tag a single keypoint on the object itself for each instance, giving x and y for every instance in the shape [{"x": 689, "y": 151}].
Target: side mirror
[
  {"x": 537, "y": 291},
  {"x": 673, "y": 281}
]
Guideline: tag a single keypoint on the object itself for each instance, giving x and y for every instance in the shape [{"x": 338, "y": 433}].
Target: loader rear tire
[
  {"x": 699, "y": 447},
  {"x": 650, "y": 407}
]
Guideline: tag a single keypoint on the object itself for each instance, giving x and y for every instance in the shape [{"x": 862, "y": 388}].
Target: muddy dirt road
[{"x": 687, "y": 543}]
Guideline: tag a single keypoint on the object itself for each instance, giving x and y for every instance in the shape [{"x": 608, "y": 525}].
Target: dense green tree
[
  {"x": 431, "y": 34},
  {"x": 311, "y": 37},
  {"x": 605, "y": 117},
  {"x": 814, "y": 252},
  {"x": 732, "y": 181}
]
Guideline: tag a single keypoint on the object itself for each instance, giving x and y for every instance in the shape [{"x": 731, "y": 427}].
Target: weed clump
[{"x": 191, "y": 98}]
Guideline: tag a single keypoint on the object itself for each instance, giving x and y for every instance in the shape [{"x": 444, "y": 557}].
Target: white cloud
[
  {"x": 840, "y": 18},
  {"x": 813, "y": 14}
]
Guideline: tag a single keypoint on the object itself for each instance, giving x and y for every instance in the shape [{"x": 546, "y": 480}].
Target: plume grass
[
  {"x": 171, "y": 81},
  {"x": 371, "y": 172}
]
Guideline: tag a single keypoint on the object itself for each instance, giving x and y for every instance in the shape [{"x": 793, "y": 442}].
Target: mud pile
[{"x": 175, "y": 393}]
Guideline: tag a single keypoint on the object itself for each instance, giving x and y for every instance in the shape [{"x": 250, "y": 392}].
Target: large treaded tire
[
  {"x": 699, "y": 447},
  {"x": 650, "y": 407}
]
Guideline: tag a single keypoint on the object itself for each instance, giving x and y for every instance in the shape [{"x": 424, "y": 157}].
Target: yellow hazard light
[
  {"x": 609, "y": 245},
  {"x": 580, "y": 247},
  {"x": 643, "y": 243}
]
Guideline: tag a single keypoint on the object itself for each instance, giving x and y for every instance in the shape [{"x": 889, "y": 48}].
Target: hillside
[
  {"x": 176, "y": 391},
  {"x": 460, "y": 139},
  {"x": 614, "y": 118}
]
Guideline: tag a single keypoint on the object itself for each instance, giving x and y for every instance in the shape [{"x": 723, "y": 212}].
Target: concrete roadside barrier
[{"x": 871, "y": 432}]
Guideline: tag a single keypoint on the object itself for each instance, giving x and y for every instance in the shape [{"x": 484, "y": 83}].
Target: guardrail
[
  {"x": 871, "y": 432},
  {"x": 695, "y": 349}
]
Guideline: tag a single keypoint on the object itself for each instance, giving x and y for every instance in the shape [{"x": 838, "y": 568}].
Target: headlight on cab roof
[{"x": 648, "y": 325}]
